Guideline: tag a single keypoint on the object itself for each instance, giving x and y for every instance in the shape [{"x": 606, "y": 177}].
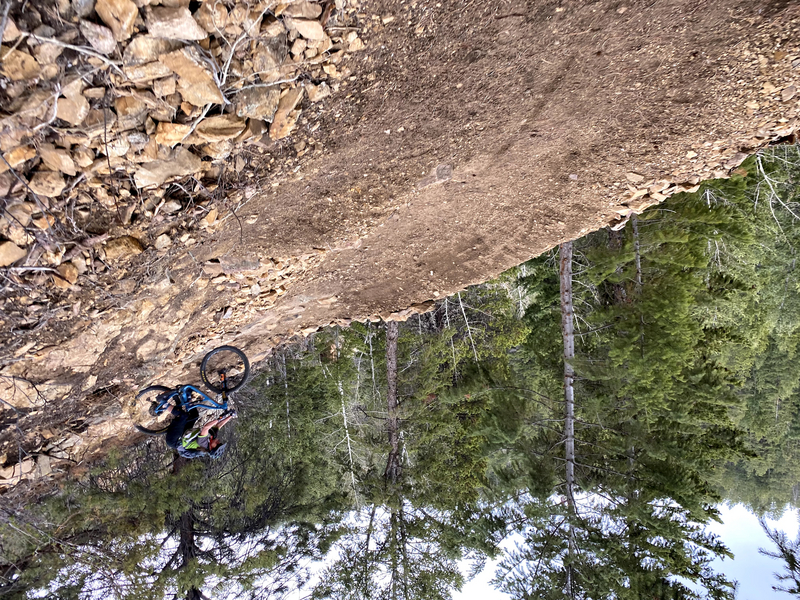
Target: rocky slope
[{"x": 463, "y": 139}]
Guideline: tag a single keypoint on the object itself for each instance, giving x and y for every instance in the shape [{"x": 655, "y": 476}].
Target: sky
[{"x": 741, "y": 533}]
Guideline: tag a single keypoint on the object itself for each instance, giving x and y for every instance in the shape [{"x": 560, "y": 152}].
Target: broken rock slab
[
  {"x": 285, "y": 117},
  {"x": 440, "y": 174},
  {"x": 303, "y": 9},
  {"x": 17, "y": 156},
  {"x": 212, "y": 16},
  {"x": 18, "y": 65},
  {"x": 122, "y": 247},
  {"x": 170, "y": 134},
  {"x": 73, "y": 110},
  {"x": 119, "y": 16},
  {"x": 47, "y": 183},
  {"x": 173, "y": 24},
  {"x": 100, "y": 38},
  {"x": 57, "y": 159},
  {"x": 19, "y": 393},
  {"x": 195, "y": 81},
  {"x": 181, "y": 163},
  {"x": 308, "y": 28},
  {"x": 146, "y": 48},
  {"x": 11, "y": 253},
  {"x": 220, "y": 128},
  {"x": 258, "y": 103}
]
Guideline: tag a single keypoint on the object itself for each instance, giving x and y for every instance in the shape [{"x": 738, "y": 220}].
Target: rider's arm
[{"x": 215, "y": 423}]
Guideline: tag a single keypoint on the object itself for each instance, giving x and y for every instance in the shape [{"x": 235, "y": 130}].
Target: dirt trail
[{"x": 470, "y": 137}]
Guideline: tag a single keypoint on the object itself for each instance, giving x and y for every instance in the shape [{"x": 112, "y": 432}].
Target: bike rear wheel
[
  {"x": 153, "y": 395},
  {"x": 154, "y": 432},
  {"x": 150, "y": 397},
  {"x": 225, "y": 363}
]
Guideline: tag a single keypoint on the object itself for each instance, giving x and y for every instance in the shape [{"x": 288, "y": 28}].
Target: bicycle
[{"x": 223, "y": 370}]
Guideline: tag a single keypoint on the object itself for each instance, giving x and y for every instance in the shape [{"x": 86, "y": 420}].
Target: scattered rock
[
  {"x": 99, "y": 37},
  {"x": 440, "y": 174},
  {"x": 67, "y": 275},
  {"x": 164, "y": 87},
  {"x": 20, "y": 213},
  {"x": 98, "y": 122},
  {"x": 10, "y": 253},
  {"x": 125, "y": 286},
  {"x": 354, "y": 43},
  {"x": 268, "y": 58},
  {"x": 163, "y": 241},
  {"x": 46, "y": 54},
  {"x": 82, "y": 8},
  {"x": 119, "y": 15},
  {"x": 146, "y": 72},
  {"x": 317, "y": 92},
  {"x": 634, "y": 177},
  {"x": 210, "y": 218},
  {"x": 131, "y": 112},
  {"x": 788, "y": 93},
  {"x": 122, "y": 247},
  {"x": 47, "y": 183},
  {"x": 173, "y": 24}
]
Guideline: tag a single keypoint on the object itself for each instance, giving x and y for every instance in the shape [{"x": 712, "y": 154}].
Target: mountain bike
[{"x": 223, "y": 371}]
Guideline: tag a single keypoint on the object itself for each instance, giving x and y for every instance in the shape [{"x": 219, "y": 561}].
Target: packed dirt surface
[{"x": 465, "y": 138}]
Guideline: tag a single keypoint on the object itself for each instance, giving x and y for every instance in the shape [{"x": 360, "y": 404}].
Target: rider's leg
[
  {"x": 194, "y": 414},
  {"x": 176, "y": 428}
]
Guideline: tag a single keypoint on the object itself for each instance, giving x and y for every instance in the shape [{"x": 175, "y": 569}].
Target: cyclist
[{"x": 196, "y": 442}]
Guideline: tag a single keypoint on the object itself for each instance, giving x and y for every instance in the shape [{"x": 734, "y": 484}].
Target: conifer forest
[{"x": 575, "y": 424}]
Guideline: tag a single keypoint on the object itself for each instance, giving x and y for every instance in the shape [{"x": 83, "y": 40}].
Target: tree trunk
[
  {"x": 568, "y": 335},
  {"x": 392, "y": 472}
]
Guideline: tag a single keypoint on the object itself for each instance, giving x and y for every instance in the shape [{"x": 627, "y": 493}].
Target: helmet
[{"x": 218, "y": 451}]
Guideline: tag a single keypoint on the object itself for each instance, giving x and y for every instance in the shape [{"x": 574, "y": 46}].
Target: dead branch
[{"x": 79, "y": 49}]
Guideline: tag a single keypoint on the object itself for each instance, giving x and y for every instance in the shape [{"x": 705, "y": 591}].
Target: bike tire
[
  {"x": 149, "y": 390},
  {"x": 152, "y": 391},
  {"x": 153, "y": 432},
  {"x": 225, "y": 357}
]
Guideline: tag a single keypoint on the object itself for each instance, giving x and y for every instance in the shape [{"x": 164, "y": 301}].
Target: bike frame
[{"x": 183, "y": 395}]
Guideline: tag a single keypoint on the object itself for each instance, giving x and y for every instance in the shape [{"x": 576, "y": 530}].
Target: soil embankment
[{"x": 464, "y": 138}]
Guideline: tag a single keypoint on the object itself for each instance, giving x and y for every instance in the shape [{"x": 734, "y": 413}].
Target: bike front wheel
[{"x": 225, "y": 369}]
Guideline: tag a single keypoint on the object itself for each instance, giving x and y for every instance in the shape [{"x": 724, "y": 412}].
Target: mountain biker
[{"x": 196, "y": 442}]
